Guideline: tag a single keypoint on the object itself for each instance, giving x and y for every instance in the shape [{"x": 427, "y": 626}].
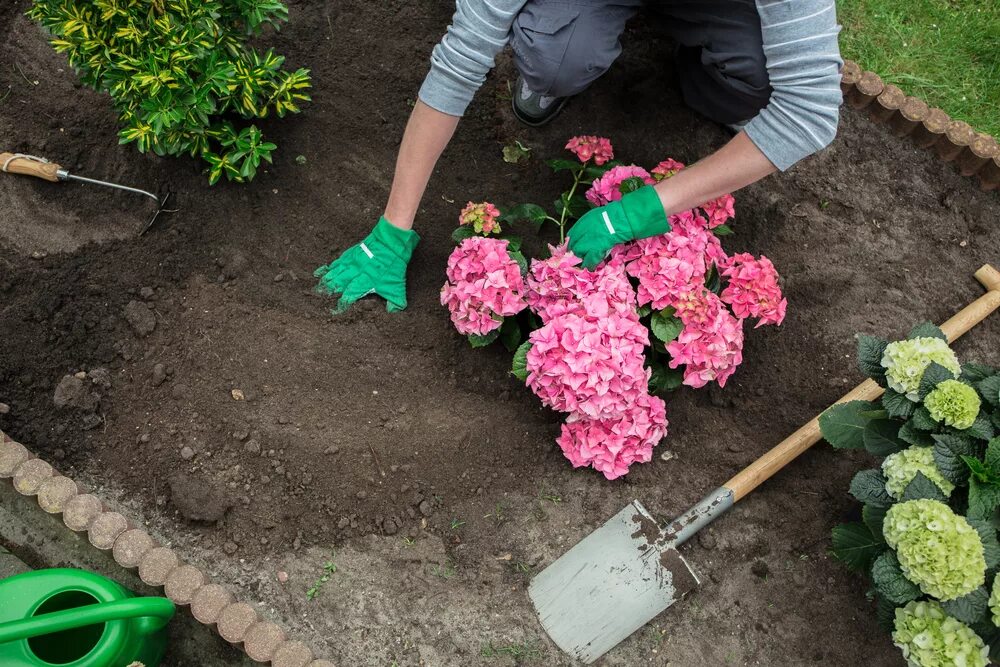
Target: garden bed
[{"x": 384, "y": 444}]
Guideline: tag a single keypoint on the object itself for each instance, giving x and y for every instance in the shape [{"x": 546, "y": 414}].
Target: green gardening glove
[
  {"x": 377, "y": 265},
  {"x": 637, "y": 215}
]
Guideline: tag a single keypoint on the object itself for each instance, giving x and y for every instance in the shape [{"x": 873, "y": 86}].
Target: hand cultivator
[
  {"x": 629, "y": 570},
  {"x": 29, "y": 165}
]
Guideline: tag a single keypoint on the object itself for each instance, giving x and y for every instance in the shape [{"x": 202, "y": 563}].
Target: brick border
[
  {"x": 973, "y": 153},
  {"x": 159, "y": 566}
]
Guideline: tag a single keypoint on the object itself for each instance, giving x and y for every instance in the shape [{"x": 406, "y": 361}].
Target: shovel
[
  {"x": 39, "y": 167},
  {"x": 626, "y": 572}
]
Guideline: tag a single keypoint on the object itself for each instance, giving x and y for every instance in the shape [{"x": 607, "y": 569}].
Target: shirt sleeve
[
  {"x": 803, "y": 64},
  {"x": 459, "y": 63}
]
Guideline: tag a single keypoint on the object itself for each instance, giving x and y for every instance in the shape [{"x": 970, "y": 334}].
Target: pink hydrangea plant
[
  {"x": 589, "y": 365},
  {"x": 484, "y": 285},
  {"x": 719, "y": 210},
  {"x": 612, "y": 445},
  {"x": 753, "y": 289},
  {"x": 559, "y": 285},
  {"x": 710, "y": 346},
  {"x": 586, "y": 147},
  {"x": 482, "y": 217},
  {"x": 607, "y": 188},
  {"x": 666, "y": 169}
]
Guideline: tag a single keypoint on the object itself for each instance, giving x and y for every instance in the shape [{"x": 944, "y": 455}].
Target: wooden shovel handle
[
  {"x": 763, "y": 468},
  {"x": 14, "y": 164}
]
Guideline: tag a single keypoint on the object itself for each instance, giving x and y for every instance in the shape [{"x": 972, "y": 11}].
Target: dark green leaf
[
  {"x": 992, "y": 457},
  {"x": 921, "y": 488},
  {"x": 870, "y": 351},
  {"x": 977, "y": 468},
  {"x": 881, "y": 437},
  {"x": 933, "y": 375},
  {"x": 948, "y": 453},
  {"x": 462, "y": 233},
  {"x": 922, "y": 419},
  {"x": 510, "y": 333},
  {"x": 988, "y": 536},
  {"x": 630, "y": 185},
  {"x": 984, "y": 498},
  {"x": 981, "y": 429},
  {"x": 665, "y": 325},
  {"x": 926, "y": 330},
  {"x": 890, "y": 582},
  {"x": 519, "y": 367},
  {"x": 664, "y": 380},
  {"x": 855, "y": 546},
  {"x": 874, "y": 517},
  {"x": 713, "y": 281},
  {"x": 560, "y": 164},
  {"x": 875, "y": 414},
  {"x": 973, "y": 373},
  {"x": 897, "y": 405},
  {"x": 868, "y": 486},
  {"x": 969, "y": 609},
  {"x": 843, "y": 426},
  {"x": 885, "y": 614},
  {"x": 908, "y": 433},
  {"x": 574, "y": 207},
  {"x": 483, "y": 341},
  {"x": 644, "y": 310},
  {"x": 518, "y": 257},
  {"x": 525, "y": 212},
  {"x": 722, "y": 230},
  {"x": 513, "y": 242}
]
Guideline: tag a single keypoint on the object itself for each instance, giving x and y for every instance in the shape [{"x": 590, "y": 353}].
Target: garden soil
[{"x": 263, "y": 437}]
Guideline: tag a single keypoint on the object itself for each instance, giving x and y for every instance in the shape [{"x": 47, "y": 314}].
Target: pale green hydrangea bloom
[
  {"x": 930, "y": 638},
  {"x": 900, "y": 469},
  {"x": 954, "y": 403},
  {"x": 995, "y": 602},
  {"x": 938, "y": 550},
  {"x": 905, "y": 361}
]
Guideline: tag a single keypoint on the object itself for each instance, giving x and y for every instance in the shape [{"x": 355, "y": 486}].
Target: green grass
[{"x": 946, "y": 52}]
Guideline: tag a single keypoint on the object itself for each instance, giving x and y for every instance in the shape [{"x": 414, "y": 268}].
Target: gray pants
[{"x": 562, "y": 46}]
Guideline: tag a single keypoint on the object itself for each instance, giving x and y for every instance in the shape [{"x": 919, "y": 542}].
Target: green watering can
[{"x": 73, "y": 618}]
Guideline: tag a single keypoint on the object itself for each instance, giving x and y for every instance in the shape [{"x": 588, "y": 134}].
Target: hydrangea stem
[{"x": 565, "y": 211}]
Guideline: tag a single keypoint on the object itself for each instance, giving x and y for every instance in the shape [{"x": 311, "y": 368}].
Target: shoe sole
[{"x": 530, "y": 122}]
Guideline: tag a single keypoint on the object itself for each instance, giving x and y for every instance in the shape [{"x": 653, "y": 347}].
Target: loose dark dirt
[{"x": 385, "y": 439}]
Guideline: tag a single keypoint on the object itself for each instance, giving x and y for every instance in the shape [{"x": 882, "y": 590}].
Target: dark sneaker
[{"x": 532, "y": 108}]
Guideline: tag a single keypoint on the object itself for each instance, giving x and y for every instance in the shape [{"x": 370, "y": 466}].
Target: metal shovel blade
[{"x": 609, "y": 585}]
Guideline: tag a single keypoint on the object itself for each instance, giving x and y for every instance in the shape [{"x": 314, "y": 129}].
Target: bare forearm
[
  {"x": 737, "y": 164},
  {"x": 427, "y": 133}
]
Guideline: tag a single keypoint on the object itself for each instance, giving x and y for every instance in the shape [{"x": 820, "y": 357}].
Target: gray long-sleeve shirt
[{"x": 800, "y": 48}]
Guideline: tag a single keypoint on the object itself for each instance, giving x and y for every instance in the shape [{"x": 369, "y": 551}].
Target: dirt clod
[
  {"x": 760, "y": 569},
  {"x": 140, "y": 317},
  {"x": 72, "y": 392},
  {"x": 198, "y": 499}
]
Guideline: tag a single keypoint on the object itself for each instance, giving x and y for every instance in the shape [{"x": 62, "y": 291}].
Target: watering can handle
[{"x": 158, "y": 610}]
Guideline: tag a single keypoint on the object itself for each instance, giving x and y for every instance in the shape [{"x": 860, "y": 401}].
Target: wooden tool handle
[
  {"x": 12, "y": 163},
  {"x": 777, "y": 458}
]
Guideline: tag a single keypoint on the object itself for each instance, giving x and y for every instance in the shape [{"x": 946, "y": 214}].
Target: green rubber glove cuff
[
  {"x": 401, "y": 242},
  {"x": 644, "y": 212}
]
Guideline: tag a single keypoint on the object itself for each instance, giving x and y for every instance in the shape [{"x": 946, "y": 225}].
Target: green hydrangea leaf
[
  {"x": 977, "y": 468},
  {"x": 984, "y": 498},
  {"x": 855, "y": 546},
  {"x": 713, "y": 281},
  {"x": 722, "y": 230},
  {"x": 510, "y": 333},
  {"x": 870, "y": 351},
  {"x": 982, "y": 428},
  {"x": 926, "y": 330},
  {"x": 462, "y": 233},
  {"x": 990, "y": 390},
  {"x": 518, "y": 257},
  {"x": 973, "y": 373},
  {"x": 921, "y": 487},
  {"x": 909, "y": 433},
  {"x": 874, "y": 517},
  {"x": 843, "y": 426},
  {"x": 530, "y": 213},
  {"x": 519, "y": 367},
  {"x": 996, "y": 419},
  {"x": 560, "y": 164},
  {"x": 988, "y": 536},
  {"x": 992, "y": 457},
  {"x": 665, "y": 325},
  {"x": 885, "y": 614},
  {"x": 513, "y": 242},
  {"x": 881, "y": 437},
  {"x": 482, "y": 341},
  {"x": 875, "y": 414},
  {"x": 868, "y": 486},
  {"x": 933, "y": 375},
  {"x": 890, "y": 582},
  {"x": 922, "y": 419},
  {"x": 664, "y": 380},
  {"x": 645, "y": 310},
  {"x": 948, "y": 452},
  {"x": 970, "y": 608},
  {"x": 898, "y": 405}
]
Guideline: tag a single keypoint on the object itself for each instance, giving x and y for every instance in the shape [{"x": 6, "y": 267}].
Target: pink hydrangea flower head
[
  {"x": 607, "y": 188},
  {"x": 589, "y": 365},
  {"x": 484, "y": 285},
  {"x": 672, "y": 264},
  {"x": 482, "y": 217},
  {"x": 710, "y": 346},
  {"x": 613, "y": 444},
  {"x": 719, "y": 210},
  {"x": 666, "y": 169},
  {"x": 559, "y": 285},
  {"x": 587, "y": 147},
  {"x": 753, "y": 289}
]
